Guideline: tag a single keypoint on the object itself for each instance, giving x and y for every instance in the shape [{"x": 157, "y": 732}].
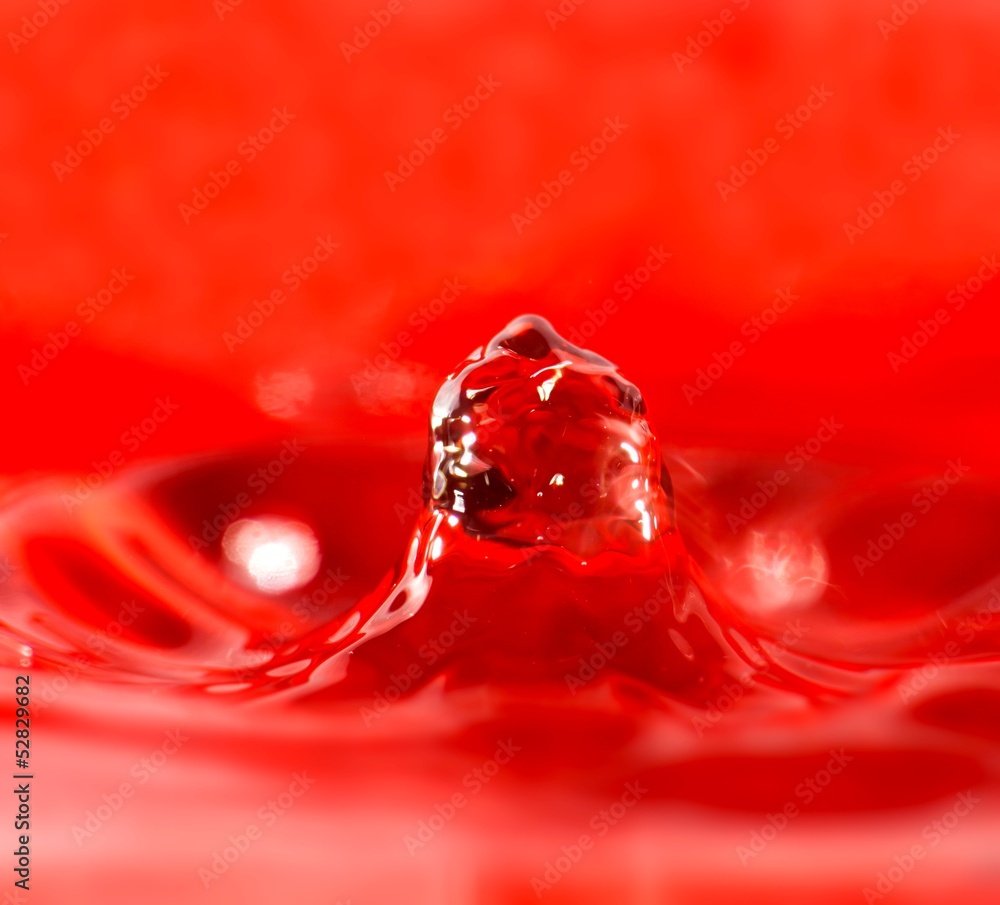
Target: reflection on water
[
  {"x": 273, "y": 555},
  {"x": 552, "y": 589}
]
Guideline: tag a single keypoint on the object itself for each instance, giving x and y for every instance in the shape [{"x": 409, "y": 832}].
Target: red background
[{"x": 656, "y": 184}]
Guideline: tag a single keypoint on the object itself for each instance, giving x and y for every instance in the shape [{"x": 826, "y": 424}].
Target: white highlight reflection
[
  {"x": 783, "y": 568},
  {"x": 275, "y": 555},
  {"x": 284, "y": 394}
]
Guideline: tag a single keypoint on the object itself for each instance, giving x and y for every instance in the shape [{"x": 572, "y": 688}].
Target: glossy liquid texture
[{"x": 542, "y": 591}]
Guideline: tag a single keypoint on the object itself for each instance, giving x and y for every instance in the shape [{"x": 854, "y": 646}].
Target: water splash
[{"x": 543, "y": 554}]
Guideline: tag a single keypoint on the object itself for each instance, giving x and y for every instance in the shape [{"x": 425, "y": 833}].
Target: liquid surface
[{"x": 615, "y": 613}]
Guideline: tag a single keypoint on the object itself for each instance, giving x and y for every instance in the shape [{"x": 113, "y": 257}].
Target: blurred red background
[
  {"x": 880, "y": 93},
  {"x": 204, "y": 150}
]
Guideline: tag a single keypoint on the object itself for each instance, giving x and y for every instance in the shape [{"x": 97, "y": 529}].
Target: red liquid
[{"x": 547, "y": 647}]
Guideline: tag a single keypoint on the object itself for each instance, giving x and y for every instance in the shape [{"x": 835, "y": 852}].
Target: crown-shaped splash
[{"x": 536, "y": 441}]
